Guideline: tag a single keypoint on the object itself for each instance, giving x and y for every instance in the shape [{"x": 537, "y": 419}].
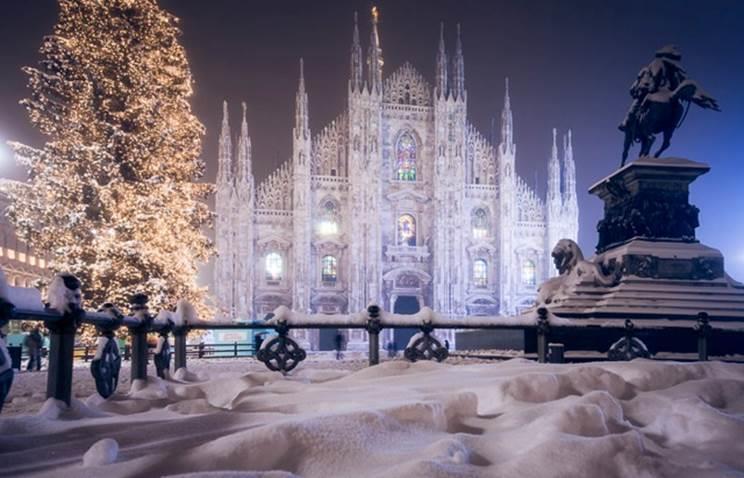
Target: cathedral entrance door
[
  {"x": 405, "y": 304},
  {"x": 327, "y": 339}
]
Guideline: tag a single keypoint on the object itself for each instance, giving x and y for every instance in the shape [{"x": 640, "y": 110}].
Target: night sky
[{"x": 570, "y": 64}]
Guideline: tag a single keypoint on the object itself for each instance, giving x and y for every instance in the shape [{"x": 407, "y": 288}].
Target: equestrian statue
[{"x": 662, "y": 94}]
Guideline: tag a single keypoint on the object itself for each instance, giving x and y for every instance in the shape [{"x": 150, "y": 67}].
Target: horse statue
[{"x": 662, "y": 95}]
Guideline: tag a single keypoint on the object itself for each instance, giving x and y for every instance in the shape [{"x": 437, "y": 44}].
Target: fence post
[
  {"x": 62, "y": 346},
  {"x": 235, "y": 349},
  {"x": 373, "y": 329},
  {"x": 703, "y": 331},
  {"x": 543, "y": 329},
  {"x": 138, "y": 334},
  {"x": 179, "y": 339},
  {"x": 85, "y": 356}
]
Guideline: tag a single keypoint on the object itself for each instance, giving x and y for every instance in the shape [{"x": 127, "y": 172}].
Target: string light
[{"x": 113, "y": 193}]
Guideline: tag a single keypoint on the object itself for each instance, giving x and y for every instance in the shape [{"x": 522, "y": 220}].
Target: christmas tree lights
[{"x": 113, "y": 195}]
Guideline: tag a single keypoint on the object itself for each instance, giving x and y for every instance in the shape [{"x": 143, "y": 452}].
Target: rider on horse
[
  {"x": 663, "y": 73},
  {"x": 660, "y": 93}
]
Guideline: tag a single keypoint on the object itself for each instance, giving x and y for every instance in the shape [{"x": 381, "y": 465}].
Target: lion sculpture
[{"x": 573, "y": 270}]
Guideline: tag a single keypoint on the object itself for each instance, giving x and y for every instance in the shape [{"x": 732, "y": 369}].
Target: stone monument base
[{"x": 649, "y": 266}]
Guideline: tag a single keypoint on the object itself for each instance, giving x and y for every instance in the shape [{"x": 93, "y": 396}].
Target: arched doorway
[{"x": 408, "y": 305}]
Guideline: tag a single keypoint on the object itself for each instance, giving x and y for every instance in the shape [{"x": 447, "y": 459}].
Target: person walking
[
  {"x": 339, "y": 345},
  {"x": 33, "y": 343}
]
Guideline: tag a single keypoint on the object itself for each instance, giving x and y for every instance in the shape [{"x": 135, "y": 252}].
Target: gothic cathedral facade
[{"x": 400, "y": 200}]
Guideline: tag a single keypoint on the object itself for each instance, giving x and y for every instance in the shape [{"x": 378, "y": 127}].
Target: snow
[
  {"x": 103, "y": 452},
  {"x": 60, "y": 297},
  {"x": 185, "y": 313},
  {"x": 397, "y": 419},
  {"x": 425, "y": 315}
]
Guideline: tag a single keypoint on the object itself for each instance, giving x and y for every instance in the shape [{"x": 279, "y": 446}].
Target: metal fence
[{"x": 281, "y": 352}]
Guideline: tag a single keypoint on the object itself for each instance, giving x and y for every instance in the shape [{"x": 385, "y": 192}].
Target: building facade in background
[
  {"x": 399, "y": 201},
  {"x": 22, "y": 266}
]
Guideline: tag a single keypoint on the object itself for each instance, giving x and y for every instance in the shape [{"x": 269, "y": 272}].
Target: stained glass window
[
  {"x": 405, "y": 155},
  {"x": 328, "y": 224},
  {"x": 407, "y": 230},
  {"x": 480, "y": 223},
  {"x": 529, "y": 273},
  {"x": 329, "y": 270},
  {"x": 274, "y": 266},
  {"x": 480, "y": 273}
]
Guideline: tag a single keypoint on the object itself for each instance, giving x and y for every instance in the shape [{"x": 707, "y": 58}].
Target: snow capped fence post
[
  {"x": 138, "y": 334},
  {"x": 374, "y": 326},
  {"x": 179, "y": 338},
  {"x": 703, "y": 331},
  {"x": 65, "y": 297},
  {"x": 543, "y": 329}
]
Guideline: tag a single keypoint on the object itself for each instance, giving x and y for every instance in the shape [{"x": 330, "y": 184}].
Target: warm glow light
[{"x": 327, "y": 228}]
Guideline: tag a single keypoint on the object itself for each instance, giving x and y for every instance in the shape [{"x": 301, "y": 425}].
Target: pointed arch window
[
  {"x": 329, "y": 270},
  {"x": 406, "y": 230},
  {"x": 405, "y": 157},
  {"x": 529, "y": 273},
  {"x": 274, "y": 266},
  {"x": 328, "y": 224},
  {"x": 479, "y": 222},
  {"x": 480, "y": 273}
]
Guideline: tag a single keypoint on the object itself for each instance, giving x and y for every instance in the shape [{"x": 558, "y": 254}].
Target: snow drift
[{"x": 398, "y": 419}]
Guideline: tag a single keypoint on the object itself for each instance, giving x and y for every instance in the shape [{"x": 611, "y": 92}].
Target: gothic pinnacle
[{"x": 441, "y": 73}]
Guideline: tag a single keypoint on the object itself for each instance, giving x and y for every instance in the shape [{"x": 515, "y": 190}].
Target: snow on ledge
[{"x": 425, "y": 315}]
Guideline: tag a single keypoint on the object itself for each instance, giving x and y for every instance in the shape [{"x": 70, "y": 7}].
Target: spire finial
[
  {"x": 301, "y": 109},
  {"x": 441, "y": 73},
  {"x": 458, "y": 86},
  {"x": 224, "y": 169},
  {"x": 355, "y": 79},
  {"x": 374, "y": 56}
]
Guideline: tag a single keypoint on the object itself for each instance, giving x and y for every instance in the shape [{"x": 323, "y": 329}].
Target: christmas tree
[{"x": 112, "y": 195}]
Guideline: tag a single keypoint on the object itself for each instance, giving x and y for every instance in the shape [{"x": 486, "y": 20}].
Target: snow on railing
[{"x": 62, "y": 314}]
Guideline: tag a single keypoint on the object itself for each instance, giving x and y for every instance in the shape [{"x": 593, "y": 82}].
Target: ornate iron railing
[{"x": 282, "y": 353}]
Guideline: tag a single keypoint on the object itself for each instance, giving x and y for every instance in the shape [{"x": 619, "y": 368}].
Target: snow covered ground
[{"x": 340, "y": 419}]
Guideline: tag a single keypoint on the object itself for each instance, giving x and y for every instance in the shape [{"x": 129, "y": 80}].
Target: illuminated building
[{"x": 399, "y": 201}]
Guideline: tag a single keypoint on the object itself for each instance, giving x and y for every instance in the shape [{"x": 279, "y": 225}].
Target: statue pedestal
[
  {"x": 649, "y": 265},
  {"x": 649, "y": 199}
]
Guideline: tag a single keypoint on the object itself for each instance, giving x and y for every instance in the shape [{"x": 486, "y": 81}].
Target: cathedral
[{"x": 399, "y": 201}]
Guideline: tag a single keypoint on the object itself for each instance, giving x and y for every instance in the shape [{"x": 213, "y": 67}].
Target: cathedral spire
[
  {"x": 224, "y": 168},
  {"x": 507, "y": 123},
  {"x": 374, "y": 56},
  {"x": 554, "y": 174},
  {"x": 569, "y": 170},
  {"x": 356, "y": 59},
  {"x": 458, "y": 73},
  {"x": 244, "y": 151},
  {"x": 301, "y": 110},
  {"x": 441, "y": 74}
]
